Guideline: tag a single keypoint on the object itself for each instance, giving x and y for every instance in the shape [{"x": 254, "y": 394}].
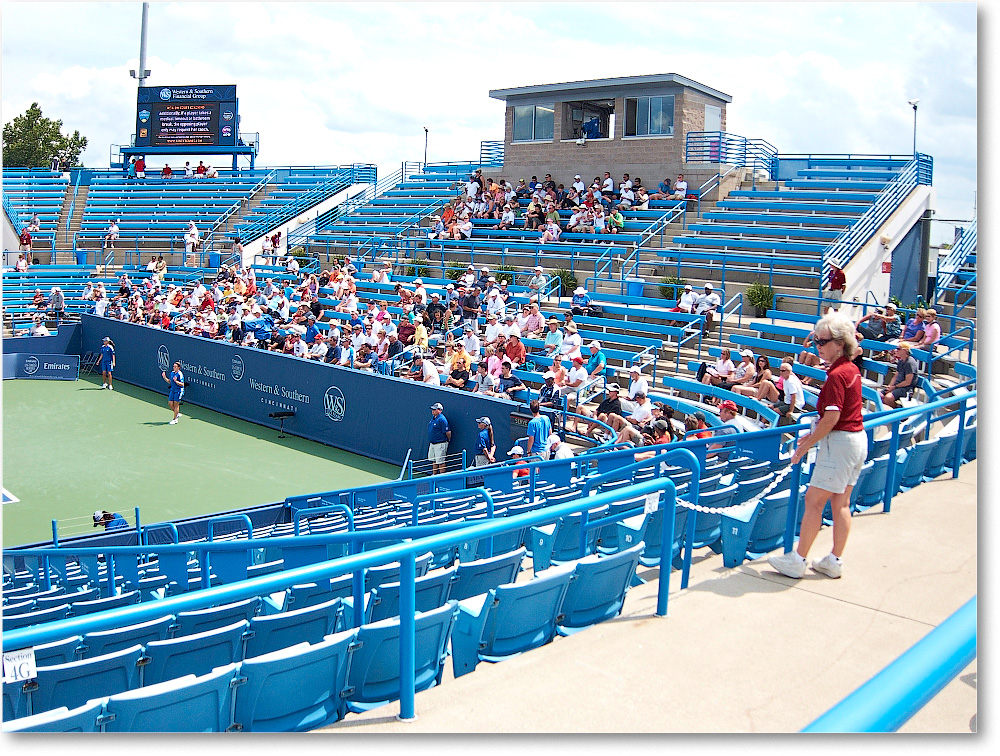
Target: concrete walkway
[{"x": 743, "y": 650}]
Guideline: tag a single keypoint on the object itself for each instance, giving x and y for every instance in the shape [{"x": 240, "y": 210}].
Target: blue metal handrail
[
  {"x": 843, "y": 249},
  {"x": 956, "y": 259},
  {"x": 723, "y": 147},
  {"x": 491, "y": 153},
  {"x": 889, "y": 699},
  {"x": 405, "y": 553}
]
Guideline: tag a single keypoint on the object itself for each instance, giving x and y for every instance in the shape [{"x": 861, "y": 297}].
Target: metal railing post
[{"x": 407, "y": 636}]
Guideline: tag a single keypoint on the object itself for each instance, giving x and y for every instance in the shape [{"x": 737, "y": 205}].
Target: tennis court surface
[{"x": 71, "y": 448}]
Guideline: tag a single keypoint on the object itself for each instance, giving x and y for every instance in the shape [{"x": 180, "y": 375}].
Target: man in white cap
[
  {"x": 549, "y": 394},
  {"x": 471, "y": 341},
  {"x": 537, "y": 282},
  {"x": 598, "y": 360},
  {"x": 708, "y": 304},
  {"x": 558, "y": 449},
  {"x": 493, "y": 330},
  {"x": 686, "y": 301},
  {"x": 637, "y": 384},
  {"x": 516, "y": 453},
  {"x": 578, "y": 184}
]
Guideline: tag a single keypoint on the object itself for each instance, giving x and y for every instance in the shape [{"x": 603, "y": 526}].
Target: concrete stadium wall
[{"x": 376, "y": 416}]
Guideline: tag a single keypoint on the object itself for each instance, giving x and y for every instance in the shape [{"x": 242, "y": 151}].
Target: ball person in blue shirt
[
  {"x": 438, "y": 434},
  {"x": 107, "y": 362},
  {"x": 176, "y": 383},
  {"x": 486, "y": 448}
]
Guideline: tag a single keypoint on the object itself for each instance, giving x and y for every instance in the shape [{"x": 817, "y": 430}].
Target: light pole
[
  {"x": 913, "y": 104},
  {"x": 425, "y": 145}
]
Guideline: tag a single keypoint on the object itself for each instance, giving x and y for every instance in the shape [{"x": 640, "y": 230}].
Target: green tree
[{"x": 31, "y": 141}]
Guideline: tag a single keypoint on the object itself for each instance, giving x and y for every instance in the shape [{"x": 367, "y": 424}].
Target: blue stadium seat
[
  {"x": 100, "y": 605},
  {"x": 310, "y": 594},
  {"x": 102, "y": 642},
  {"x": 751, "y": 531},
  {"x": 194, "y": 654},
  {"x": 560, "y": 541},
  {"x": 431, "y": 591},
  {"x": 81, "y": 719},
  {"x": 295, "y": 689},
  {"x": 184, "y": 704},
  {"x": 373, "y": 673},
  {"x": 911, "y": 464},
  {"x": 869, "y": 491},
  {"x": 708, "y": 528},
  {"x": 474, "y": 578},
  {"x": 607, "y": 537},
  {"x": 941, "y": 456},
  {"x": 202, "y": 620},
  {"x": 389, "y": 573},
  {"x": 650, "y": 530},
  {"x": 508, "y": 620},
  {"x": 277, "y": 631},
  {"x": 35, "y": 618},
  {"x": 597, "y": 589},
  {"x": 74, "y": 684},
  {"x": 57, "y": 652},
  {"x": 47, "y": 602}
]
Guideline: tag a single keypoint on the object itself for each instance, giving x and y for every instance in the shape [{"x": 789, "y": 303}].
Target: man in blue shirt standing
[
  {"x": 438, "y": 434},
  {"x": 539, "y": 430}
]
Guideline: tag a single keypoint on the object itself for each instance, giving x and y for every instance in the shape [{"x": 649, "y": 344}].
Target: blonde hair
[
  {"x": 931, "y": 311},
  {"x": 840, "y": 329}
]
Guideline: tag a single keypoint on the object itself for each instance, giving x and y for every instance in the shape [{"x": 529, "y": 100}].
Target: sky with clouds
[{"x": 335, "y": 83}]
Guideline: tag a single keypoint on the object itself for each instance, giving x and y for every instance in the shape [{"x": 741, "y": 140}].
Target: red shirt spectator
[
  {"x": 842, "y": 392},
  {"x": 167, "y": 172}
]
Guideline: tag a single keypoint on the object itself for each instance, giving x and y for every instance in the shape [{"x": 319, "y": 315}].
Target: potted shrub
[
  {"x": 671, "y": 287},
  {"x": 761, "y": 296},
  {"x": 568, "y": 280}
]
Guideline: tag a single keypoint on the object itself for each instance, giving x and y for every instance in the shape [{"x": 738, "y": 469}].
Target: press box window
[
  {"x": 649, "y": 116},
  {"x": 534, "y": 123}
]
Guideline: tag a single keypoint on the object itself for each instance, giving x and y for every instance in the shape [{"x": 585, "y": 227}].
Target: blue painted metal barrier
[
  {"x": 887, "y": 701},
  {"x": 404, "y": 552}
]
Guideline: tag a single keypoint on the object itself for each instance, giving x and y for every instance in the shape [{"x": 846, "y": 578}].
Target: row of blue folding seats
[{"x": 293, "y": 689}]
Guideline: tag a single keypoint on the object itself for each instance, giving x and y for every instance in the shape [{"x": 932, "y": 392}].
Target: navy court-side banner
[
  {"x": 373, "y": 415},
  {"x": 46, "y": 367}
]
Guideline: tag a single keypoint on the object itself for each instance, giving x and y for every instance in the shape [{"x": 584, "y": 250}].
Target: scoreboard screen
[{"x": 194, "y": 116}]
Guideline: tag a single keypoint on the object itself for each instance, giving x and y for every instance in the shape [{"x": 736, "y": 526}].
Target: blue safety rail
[
  {"x": 918, "y": 171},
  {"x": 301, "y": 197},
  {"x": 956, "y": 272},
  {"x": 723, "y": 147},
  {"x": 888, "y": 701},
  {"x": 491, "y": 153},
  {"x": 424, "y": 538}
]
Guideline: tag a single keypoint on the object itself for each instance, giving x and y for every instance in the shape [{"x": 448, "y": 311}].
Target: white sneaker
[
  {"x": 173, "y": 422},
  {"x": 829, "y": 566},
  {"x": 790, "y": 564},
  {"x": 180, "y": 415},
  {"x": 111, "y": 388},
  {"x": 104, "y": 385}
]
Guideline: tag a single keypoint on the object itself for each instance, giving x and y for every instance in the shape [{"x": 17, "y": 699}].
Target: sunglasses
[{"x": 821, "y": 342}]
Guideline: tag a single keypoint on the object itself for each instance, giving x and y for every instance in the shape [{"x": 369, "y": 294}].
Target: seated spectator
[
  {"x": 642, "y": 414},
  {"x": 507, "y": 219},
  {"x": 913, "y": 331},
  {"x": 686, "y": 302},
  {"x": 762, "y": 367},
  {"x": 880, "y": 325},
  {"x": 423, "y": 370},
  {"x": 932, "y": 330},
  {"x": 708, "y": 304},
  {"x": 610, "y": 405},
  {"x": 680, "y": 188},
  {"x": 167, "y": 172},
  {"x": 459, "y": 376},
  {"x": 551, "y": 233},
  {"x": 537, "y": 283},
  {"x": 534, "y": 324},
  {"x": 663, "y": 191},
  {"x": 904, "y": 381},
  {"x": 549, "y": 394},
  {"x": 514, "y": 350},
  {"x": 616, "y": 221},
  {"x": 533, "y": 216},
  {"x": 507, "y": 383},
  {"x": 728, "y": 410},
  {"x": 485, "y": 383},
  {"x": 743, "y": 373}
]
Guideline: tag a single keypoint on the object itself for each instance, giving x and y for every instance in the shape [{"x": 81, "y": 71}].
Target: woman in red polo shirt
[{"x": 843, "y": 445}]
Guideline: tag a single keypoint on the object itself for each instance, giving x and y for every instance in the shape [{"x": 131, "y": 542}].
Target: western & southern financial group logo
[
  {"x": 334, "y": 404},
  {"x": 163, "y": 358},
  {"x": 31, "y": 366},
  {"x": 238, "y": 367},
  {"x": 165, "y": 93}
]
